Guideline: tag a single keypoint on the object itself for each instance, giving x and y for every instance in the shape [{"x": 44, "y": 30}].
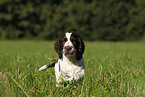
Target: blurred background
[{"x": 105, "y": 20}]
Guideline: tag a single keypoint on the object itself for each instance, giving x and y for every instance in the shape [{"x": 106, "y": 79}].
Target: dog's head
[{"x": 70, "y": 45}]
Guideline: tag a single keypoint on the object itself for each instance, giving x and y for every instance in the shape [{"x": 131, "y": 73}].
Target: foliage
[{"x": 92, "y": 19}]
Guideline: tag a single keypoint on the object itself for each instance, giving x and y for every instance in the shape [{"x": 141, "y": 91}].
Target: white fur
[
  {"x": 68, "y": 43},
  {"x": 43, "y": 67},
  {"x": 68, "y": 35},
  {"x": 68, "y": 70}
]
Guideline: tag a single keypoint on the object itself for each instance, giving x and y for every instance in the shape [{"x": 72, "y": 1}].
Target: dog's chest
[
  {"x": 68, "y": 67},
  {"x": 72, "y": 70}
]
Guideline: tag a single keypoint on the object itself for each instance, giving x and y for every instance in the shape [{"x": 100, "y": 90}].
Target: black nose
[{"x": 68, "y": 48}]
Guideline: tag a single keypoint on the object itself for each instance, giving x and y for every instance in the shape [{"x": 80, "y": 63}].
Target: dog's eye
[
  {"x": 72, "y": 40},
  {"x": 65, "y": 39}
]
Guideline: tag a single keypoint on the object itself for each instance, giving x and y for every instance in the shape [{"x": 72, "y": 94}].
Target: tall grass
[{"x": 112, "y": 69}]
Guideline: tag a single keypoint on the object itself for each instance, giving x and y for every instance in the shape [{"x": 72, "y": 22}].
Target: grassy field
[{"x": 115, "y": 69}]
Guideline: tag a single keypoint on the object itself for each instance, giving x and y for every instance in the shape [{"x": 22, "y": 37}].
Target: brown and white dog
[{"x": 70, "y": 65}]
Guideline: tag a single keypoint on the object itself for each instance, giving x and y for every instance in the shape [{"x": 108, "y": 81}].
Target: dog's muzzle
[{"x": 69, "y": 50}]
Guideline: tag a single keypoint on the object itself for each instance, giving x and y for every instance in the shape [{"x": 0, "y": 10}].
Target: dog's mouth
[{"x": 70, "y": 53}]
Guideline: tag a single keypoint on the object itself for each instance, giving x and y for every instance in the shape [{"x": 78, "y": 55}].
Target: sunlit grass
[{"x": 112, "y": 69}]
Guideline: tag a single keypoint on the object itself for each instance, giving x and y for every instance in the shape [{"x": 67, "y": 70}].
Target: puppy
[{"x": 70, "y": 65}]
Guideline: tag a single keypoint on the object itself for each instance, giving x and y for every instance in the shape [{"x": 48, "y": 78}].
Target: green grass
[{"x": 115, "y": 69}]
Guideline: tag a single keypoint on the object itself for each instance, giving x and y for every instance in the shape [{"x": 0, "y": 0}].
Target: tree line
[{"x": 111, "y": 20}]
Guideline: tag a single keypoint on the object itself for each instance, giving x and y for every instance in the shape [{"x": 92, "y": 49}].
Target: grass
[{"x": 115, "y": 69}]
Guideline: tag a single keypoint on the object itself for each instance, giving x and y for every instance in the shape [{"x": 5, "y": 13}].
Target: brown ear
[
  {"x": 59, "y": 45},
  {"x": 79, "y": 45},
  {"x": 81, "y": 48}
]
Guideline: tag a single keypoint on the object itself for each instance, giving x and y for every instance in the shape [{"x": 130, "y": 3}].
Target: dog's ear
[
  {"x": 79, "y": 45},
  {"x": 81, "y": 48},
  {"x": 59, "y": 45}
]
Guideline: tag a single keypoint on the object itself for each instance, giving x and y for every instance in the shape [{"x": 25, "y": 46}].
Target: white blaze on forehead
[
  {"x": 68, "y": 42},
  {"x": 68, "y": 36}
]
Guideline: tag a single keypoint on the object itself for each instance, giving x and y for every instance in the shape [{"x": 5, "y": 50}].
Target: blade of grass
[{"x": 10, "y": 75}]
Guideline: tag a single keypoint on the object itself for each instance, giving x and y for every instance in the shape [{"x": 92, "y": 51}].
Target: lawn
[{"x": 115, "y": 69}]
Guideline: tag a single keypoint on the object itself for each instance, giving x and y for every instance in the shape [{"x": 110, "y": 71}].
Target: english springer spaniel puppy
[{"x": 70, "y": 65}]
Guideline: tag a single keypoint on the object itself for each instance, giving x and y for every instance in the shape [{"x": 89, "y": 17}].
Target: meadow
[{"x": 114, "y": 69}]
